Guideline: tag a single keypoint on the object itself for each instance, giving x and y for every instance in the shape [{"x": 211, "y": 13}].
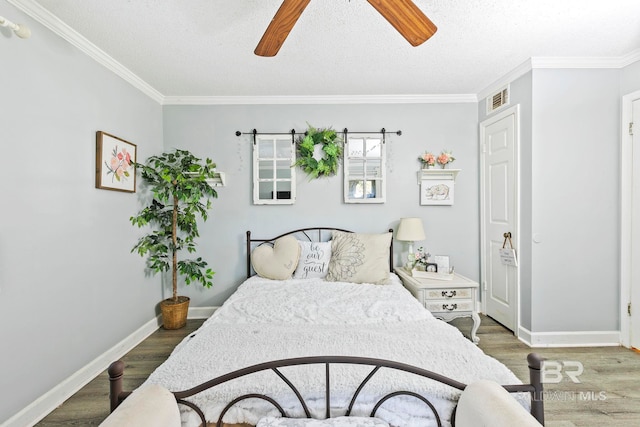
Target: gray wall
[
  {"x": 570, "y": 121},
  {"x": 521, "y": 91},
  {"x": 64, "y": 245},
  {"x": 575, "y": 200},
  {"x": 630, "y": 79},
  {"x": 209, "y": 131}
]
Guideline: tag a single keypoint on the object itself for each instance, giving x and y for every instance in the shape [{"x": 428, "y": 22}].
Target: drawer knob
[
  {"x": 448, "y": 294},
  {"x": 449, "y": 307}
]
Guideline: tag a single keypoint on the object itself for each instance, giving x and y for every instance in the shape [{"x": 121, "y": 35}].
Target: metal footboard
[{"x": 534, "y": 388}]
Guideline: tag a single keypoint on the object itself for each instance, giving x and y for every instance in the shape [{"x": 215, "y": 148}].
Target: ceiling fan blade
[
  {"x": 405, "y": 16},
  {"x": 280, "y": 26}
]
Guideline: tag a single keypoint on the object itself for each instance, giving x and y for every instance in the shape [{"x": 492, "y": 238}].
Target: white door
[
  {"x": 635, "y": 228},
  {"x": 499, "y": 210}
]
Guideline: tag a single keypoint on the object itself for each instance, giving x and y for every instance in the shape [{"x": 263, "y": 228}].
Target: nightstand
[{"x": 445, "y": 299}]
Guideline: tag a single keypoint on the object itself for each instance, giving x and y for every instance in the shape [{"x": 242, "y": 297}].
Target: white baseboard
[
  {"x": 569, "y": 339},
  {"x": 46, "y": 403},
  {"x": 201, "y": 312},
  {"x": 524, "y": 335}
]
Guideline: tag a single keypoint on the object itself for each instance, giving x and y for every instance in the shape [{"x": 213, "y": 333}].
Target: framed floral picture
[{"x": 115, "y": 163}]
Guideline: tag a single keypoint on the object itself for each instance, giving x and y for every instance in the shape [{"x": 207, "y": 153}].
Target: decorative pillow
[
  {"x": 277, "y": 262},
  {"x": 359, "y": 258},
  {"x": 314, "y": 260}
]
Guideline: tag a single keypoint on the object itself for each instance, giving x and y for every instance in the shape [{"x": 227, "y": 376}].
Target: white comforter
[{"x": 267, "y": 320}]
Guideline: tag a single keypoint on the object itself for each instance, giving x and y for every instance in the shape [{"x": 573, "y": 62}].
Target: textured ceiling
[{"x": 342, "y": 47}]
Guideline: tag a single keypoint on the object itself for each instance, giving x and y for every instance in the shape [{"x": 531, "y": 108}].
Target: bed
[{"x": 324, "y": 335}]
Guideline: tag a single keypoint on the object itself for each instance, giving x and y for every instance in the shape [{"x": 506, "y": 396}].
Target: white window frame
[
  {"x": 276, "y": 160},
  {"x": 380, "y": 177}
]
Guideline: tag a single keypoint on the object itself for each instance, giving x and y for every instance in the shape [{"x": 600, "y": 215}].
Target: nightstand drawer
[
  {"x": 447, "y": 300},
  {"x": 463, "y": 293},
  {"x": 449, "y": 306}
]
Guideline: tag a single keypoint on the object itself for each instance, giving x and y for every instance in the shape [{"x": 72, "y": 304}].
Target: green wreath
[{"x": 331, "y": 146}]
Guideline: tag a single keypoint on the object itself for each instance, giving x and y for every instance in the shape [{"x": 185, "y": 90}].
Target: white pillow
[
  {"x": 314, "y": 260},
  {"x": 359, "y": 258},
  {"x": 149, "y": 404},
  {"x": 277, "y": 262}
]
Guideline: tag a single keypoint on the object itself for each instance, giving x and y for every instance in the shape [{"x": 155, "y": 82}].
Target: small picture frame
[
  {"x": 437, "y": 192},
  {"x": 442, "y": 262},
  {"x": 437, "y": 186},
  {"x": 431, "y": 267},
  {"x": 115, "y": 163}
]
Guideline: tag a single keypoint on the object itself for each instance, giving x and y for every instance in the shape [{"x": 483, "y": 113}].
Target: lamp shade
[{"x": 410, "y": 230}]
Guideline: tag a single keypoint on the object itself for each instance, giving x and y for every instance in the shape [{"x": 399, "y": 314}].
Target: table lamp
[{"x": 410, "y": 230}]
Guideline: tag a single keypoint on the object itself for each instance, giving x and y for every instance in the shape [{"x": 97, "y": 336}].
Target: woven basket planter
[{"x": 174, "y": 314}]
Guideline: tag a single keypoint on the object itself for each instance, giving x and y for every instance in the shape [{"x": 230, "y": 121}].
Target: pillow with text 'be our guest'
[{"x": 314, "y": 260}]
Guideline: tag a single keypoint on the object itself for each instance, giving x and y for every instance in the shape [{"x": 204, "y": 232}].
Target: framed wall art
[
  {"x": 437, "y": 186},
  {"x": 115, "y": 163}
]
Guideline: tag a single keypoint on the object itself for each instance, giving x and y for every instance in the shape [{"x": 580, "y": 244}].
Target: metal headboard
[{"x": 313, "y": 234}]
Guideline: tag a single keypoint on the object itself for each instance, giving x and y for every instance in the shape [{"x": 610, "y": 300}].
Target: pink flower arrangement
[
  {"x": 444, "y": 158},
  {"x": 422, "y": 257},
  {"x": 427, "y": 158}
]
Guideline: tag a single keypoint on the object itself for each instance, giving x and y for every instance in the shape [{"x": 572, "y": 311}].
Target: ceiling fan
[{"x": 404, "y": 15}]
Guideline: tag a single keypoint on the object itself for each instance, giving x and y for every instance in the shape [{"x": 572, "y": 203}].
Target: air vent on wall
[{"x": 498, "y": 100}]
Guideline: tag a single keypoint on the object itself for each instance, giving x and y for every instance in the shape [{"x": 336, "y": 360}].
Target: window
[
  {"x": 364, "y": 169},
  {"x": 274, "y": 180}
]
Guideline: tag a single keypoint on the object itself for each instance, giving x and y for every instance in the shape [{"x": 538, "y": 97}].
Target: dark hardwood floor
[
  {"x": 90, "y": 405},
  {"x": 608, "y": 393},
  {"x": 609, "y": 390}
]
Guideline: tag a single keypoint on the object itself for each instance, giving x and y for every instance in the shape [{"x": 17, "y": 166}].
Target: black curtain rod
[
  {"x": 255, "y": 132},
  {"x": 382, "y": 131},
  {"x": 293, "y": 132}
]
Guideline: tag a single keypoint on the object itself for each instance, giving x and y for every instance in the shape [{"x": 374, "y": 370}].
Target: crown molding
[
  {"x": 559, "y": 63},
  {"x": 512, "y": 75},
  {"x": 578, "y": 62},
  {"x": 320, "y": 99},
  {"x": 630, "y": 58},
  {"x": 43, "y": 16}
]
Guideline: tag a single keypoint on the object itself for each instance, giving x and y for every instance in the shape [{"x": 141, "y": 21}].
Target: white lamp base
[{"x": 411, "y": 258}]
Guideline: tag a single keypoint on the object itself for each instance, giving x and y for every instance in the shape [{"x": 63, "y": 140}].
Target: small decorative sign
[
  {"x": 508, "y": 256},
  {"x": 443, "y": 263}
]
